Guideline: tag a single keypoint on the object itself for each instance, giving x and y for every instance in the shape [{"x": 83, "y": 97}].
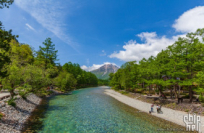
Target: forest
[
  {"x": 24, "y": 70},
  {"x": 178, "y": 68}
]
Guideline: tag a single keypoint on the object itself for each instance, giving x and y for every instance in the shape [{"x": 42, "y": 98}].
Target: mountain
[{"x": 104, "y": 71}]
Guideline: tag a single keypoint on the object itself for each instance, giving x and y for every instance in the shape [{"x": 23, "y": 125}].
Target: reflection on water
[{"x": 90, "y": 110}]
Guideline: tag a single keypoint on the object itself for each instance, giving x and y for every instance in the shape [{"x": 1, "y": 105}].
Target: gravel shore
[
  {"x": 15, "y": 117},
  {"x": 168, "y": 114}
]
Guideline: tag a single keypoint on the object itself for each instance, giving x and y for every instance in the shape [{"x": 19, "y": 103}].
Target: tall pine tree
[{"x": 48, "y": 54}]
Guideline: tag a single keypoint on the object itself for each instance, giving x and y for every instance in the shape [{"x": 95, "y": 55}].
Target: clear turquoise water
[{"x": 91, "y": 111}]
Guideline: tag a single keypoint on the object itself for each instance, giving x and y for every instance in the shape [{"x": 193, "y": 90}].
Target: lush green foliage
[
  {"x": 12, "y": 102},
  {"x": 103, "y": 82},
  {"x": 65, "y": 81},
  {"x": 178, "y": 67},
  {"x": 47, "y": 55},
  {"x": 5, "y": 39},
  {"x": 83, "y": 78},
  {"x": 29, "y": 71}
]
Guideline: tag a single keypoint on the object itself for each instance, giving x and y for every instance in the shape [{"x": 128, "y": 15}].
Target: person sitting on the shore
[
  {"x": 152, "y": 106},
  {"x": 157, "y": 108},
  {"x": 160, "y": 109}
]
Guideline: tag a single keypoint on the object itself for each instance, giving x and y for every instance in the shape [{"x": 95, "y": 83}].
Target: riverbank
[
  {"x": 15, "y": 117},
  {"x": 168, "y": 114}
]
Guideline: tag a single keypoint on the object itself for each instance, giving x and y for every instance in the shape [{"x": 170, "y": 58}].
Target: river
[{"x": 90, "y": 110}]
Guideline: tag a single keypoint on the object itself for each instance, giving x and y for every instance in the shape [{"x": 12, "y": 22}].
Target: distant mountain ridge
[{"x": 104, "y": 71}]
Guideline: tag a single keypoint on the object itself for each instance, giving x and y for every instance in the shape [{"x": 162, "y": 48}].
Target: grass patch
[
  {"x": 139, "y": 90},
  {"x": 124, "y": 92},
  {"x": 171, "y": 105},
  {"x": 1, "y": 115},
  {"x": 12, "y": 102},
  {"x": 187, "y": 110},
  {"x": 23, "y": 95},
  {"x": 43, "y": 92}
]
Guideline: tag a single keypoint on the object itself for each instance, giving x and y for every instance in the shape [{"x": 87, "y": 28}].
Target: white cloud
[
  {"x": 30, "y": 27},
  {"x": 95, "y": 66},
  {"x": 190, "y": 20},
  {"x": 84, "y": 67},
  {"x": 152, "y": 44},
  {"x": 50, "y": 14},
  {"x": 151, "y": 47},
  {"x": 103, "y": 53}
]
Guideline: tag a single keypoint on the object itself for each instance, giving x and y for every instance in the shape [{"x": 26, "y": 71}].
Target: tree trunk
[
  {"x": 12, "y": 91},
  {"x": 160, "y": 91},
  {"x": 171, "y": 91},
  {"x": 149, "y": 89},
  {"x": 175, "y": 91},
  {"x": 179, "y": 91},
  {"x": 190, "y": 94}
]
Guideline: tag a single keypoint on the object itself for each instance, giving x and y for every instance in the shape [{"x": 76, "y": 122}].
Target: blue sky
[{"x": 94, "y": 32}]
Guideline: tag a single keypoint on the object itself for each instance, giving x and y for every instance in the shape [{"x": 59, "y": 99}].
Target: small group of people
[{"x": 158, "y": 107}]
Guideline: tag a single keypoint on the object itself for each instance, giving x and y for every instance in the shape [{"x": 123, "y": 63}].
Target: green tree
[
  {"x": 36, "y": 77},
  {"x": 5, "y": 3},
  {"x": 65, "y": 81},
  {"x": 47, "y": 54},
  {"x": 5, "y": 39},
  {"x": 13, "y": 80},
  {"x": 20, "y": 54},
  {"x": 83, "y": 78}
]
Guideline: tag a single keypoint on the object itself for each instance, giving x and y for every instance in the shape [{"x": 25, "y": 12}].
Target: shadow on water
[{"x": 34, "y": 122}]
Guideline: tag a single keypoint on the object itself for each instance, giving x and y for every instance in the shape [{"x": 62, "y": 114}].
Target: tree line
[
  {"x": 24, "y": 70},
  {"x": 179, "y": 67}
]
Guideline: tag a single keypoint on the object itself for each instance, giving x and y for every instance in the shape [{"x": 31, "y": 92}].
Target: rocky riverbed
[{"x": 15, "y": 117}]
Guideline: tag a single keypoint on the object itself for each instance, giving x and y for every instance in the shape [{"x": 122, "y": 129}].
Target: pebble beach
[
  {"x": 15, "y": 117},
  {"x": 168, "y": 114}
]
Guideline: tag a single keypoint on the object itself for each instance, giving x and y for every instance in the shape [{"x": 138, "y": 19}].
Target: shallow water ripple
[{"x": 91, "y": 111}]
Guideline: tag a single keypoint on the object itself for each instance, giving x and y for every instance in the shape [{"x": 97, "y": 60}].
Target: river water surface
[{"x": 91, "y": 111}]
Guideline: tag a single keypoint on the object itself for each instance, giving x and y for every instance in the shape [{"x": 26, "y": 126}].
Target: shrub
[
  {"x": 43, "y": 92},
  {"x": 139, "y": 90},
  {"x": 124, "y": 92},
  {"x": 186, "y": 110},
  {"x": 201, "y": 98},
  {"x": 23, "y": 95},
  {"x": 1, "y": 115},
  {"x": 12, "y": 102}
]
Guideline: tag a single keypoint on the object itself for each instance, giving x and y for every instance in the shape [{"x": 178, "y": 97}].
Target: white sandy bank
[{"x": 168, "y": 114}]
